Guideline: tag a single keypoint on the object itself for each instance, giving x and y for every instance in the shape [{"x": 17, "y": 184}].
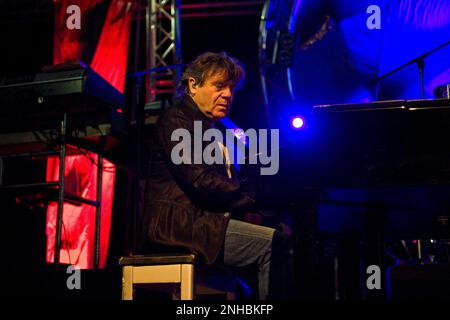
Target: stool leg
[
  {"x": 127, "y": 283},
  {"x": 187, "y": 282}
]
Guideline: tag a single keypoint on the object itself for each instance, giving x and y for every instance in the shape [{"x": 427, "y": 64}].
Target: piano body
[{"x": 383, "y": 156}]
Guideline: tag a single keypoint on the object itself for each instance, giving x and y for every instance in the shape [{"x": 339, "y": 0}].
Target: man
[{"x": 190, "y": 204}]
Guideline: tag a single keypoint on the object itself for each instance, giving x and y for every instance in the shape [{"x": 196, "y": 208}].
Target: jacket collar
[{"x": 188, "y": 102}]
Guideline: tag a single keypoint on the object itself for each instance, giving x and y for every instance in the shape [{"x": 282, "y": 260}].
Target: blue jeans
[{"x": 249, "y": 244}]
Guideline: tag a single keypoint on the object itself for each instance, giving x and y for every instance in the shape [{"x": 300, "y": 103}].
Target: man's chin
[{"x": 219, "y": 115}]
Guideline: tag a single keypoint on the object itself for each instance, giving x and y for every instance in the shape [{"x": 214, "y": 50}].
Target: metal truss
[
  {"x": 163, "y": 25},
  {"x": 163, "y": 48},
  {"x": 216, "y": 8}
]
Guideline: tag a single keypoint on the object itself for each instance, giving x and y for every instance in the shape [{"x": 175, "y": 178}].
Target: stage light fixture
[{"x": 298, "y": 123}]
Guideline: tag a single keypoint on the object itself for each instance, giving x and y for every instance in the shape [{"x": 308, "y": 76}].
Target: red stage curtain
[
  {"x": 110, "y": 58},
  {"x": 72, "y": 45},
  {"x": 110, "y": 61}
]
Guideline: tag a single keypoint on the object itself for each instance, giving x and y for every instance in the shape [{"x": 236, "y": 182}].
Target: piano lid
[{"x": 384, "y": 105}]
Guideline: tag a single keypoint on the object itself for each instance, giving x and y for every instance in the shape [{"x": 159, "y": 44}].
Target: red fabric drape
[
  {"x": 109, "y": 60},
  {"x": 71, "y": 45}
]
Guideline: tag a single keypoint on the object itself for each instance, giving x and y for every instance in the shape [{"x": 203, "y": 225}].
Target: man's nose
[{"x": 227, "y": 93}]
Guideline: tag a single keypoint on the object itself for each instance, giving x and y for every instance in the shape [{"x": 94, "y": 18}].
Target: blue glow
[
  {"x": 292, "y": 24},
  {"x": 239, "y": 133},
  {"x": 289, "y": 81},
  {"x": 345, "y": 64},
  {"x": 294, "y": 16},
  {"x": 415, "y": 29}
]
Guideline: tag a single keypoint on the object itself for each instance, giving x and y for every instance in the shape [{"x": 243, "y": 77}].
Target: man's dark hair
[{"x": 208, "y": 64}]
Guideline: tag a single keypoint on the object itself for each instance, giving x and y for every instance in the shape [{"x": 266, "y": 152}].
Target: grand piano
[
  {"x": 392, "y": 155},
  {"x": 373, "y": 144}
]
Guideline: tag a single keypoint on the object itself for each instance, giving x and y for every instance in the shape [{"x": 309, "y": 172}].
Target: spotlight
[{"x": 297, "y": 123}]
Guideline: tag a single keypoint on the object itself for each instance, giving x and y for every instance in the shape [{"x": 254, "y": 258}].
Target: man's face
[{"x": 214, "y": 97}]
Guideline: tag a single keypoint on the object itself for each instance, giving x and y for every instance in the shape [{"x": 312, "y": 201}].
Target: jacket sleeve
[{"x": 206, "y": 187}]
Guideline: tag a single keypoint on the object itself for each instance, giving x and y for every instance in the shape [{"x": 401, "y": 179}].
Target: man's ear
[{"x": 192, "y": 85}]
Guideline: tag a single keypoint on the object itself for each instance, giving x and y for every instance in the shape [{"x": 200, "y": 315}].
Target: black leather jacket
[{"x": 188, "y": 205}]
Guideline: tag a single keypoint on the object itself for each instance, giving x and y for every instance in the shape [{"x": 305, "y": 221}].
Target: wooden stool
[{"x": 170, "y": 268}]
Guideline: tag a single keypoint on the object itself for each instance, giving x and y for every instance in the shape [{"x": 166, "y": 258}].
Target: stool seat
[
  {"x": 175, "y": 268},
  {"x": 158, "y": 259}
]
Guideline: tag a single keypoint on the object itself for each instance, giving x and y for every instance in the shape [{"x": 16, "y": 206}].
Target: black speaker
[{"x": 286, "y": 45}]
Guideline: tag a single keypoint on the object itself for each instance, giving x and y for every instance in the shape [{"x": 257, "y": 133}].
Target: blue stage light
[{"x": 297, "y": 123}]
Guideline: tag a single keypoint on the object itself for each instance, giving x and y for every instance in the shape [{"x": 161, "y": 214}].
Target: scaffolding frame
[{"x": 163, "y": 49}]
